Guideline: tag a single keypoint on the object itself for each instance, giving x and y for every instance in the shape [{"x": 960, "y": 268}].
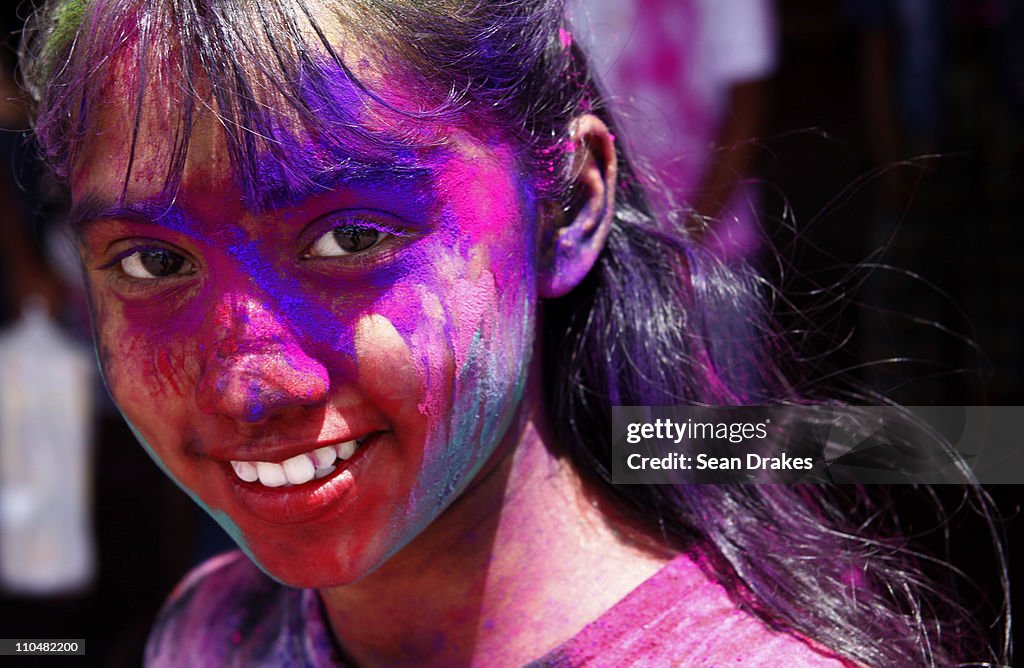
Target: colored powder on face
[
  {"x": 167, "y": 371},
  {"x": 285, "y": 298},
  {"x": 451, "y": 298},
  {"x": 469, "y": 302},
  {"x": 342, "y": 130},
  {"x": 256, "y": 364},
  {"x": 467, "y": 333}
]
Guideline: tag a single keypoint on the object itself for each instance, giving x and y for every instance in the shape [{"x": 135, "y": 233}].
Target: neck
[{"x": 503, "y": 575}]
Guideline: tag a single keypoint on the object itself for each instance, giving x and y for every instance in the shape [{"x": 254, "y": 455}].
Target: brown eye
[
  {"x": 355, "y": 239},
  {"x": 346, "y": 240},
  {"x": 154, "y": 263}
]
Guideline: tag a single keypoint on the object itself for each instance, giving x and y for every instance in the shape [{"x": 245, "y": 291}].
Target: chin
[
  {"x": 336, "y": 561},
  {"x": 307, "y": 572}
]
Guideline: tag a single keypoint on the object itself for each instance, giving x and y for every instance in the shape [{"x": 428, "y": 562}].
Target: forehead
[
  {"x": 137, "y": 151},
  {"x": 126, "y": 166},
  {"x": 287, "y": 117}
]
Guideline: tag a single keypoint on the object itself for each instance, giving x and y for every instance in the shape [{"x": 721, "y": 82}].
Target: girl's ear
[{"x": 575, "y": 236}]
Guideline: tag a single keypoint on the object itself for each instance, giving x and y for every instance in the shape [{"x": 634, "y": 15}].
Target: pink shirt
[{"x": 228, "y": 613}]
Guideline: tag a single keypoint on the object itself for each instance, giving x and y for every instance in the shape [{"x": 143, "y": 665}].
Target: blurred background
[{"x": 867, "y": 156}]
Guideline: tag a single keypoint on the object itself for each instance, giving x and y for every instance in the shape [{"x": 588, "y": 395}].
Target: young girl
[{"x": 366, "y": 279}]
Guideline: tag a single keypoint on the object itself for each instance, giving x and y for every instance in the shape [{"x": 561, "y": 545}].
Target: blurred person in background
[
  {"x": 692, "y": 78},
  {"x": 47, "y": 550}
]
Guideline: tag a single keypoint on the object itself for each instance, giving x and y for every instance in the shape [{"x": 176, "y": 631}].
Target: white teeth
[
  {"x": 298, "y": 469},
  {"x": 346, "y": 449},
  {"x": 246, "y": 471},
  {"x": 325, "y": 456},
  {"x": 271, "y": 475}
]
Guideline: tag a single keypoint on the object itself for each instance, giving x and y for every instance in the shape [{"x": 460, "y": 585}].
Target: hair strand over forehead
[{"x": 279, "y": 74}]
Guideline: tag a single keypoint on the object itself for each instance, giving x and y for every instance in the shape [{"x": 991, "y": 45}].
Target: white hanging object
[{"x": 46, "y": 383}]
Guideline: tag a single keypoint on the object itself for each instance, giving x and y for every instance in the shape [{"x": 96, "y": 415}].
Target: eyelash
[
  {"x": 133, "y": 284},
  {"x": 374, "y": 255}
]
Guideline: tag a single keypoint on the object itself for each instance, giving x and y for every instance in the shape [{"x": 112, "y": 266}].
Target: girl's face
[{"x": 324, "y": 377}]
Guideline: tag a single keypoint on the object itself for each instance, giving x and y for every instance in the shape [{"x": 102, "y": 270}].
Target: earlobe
[{"x": 577, "y": 237}]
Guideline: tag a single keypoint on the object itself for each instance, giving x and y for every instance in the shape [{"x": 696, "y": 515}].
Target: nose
[{"x": 255, "y": 366}]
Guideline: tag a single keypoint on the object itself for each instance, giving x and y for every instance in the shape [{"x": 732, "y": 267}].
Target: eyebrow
[
  {"x": 387, "y": 159},
  {"x": 94, "y": 208},
  {"x": 352, "y": 173},
  {"x": 162, "y": 209}
]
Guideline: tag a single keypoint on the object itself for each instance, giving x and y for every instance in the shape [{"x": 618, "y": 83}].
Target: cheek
[
  {"x": 492, "y": 348},
  {"x": 405, "y": 363},
  {"x": 388, "y": 371},
  {"x": 464, "y": 333},
  {"x": 394, "y": 375},
  {"x": 151, "y": 372},
  {"x": 142, "y": 364}
]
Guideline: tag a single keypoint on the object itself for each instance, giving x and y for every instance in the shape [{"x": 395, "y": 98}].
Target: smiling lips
[{"x": 296, "y": 470}]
